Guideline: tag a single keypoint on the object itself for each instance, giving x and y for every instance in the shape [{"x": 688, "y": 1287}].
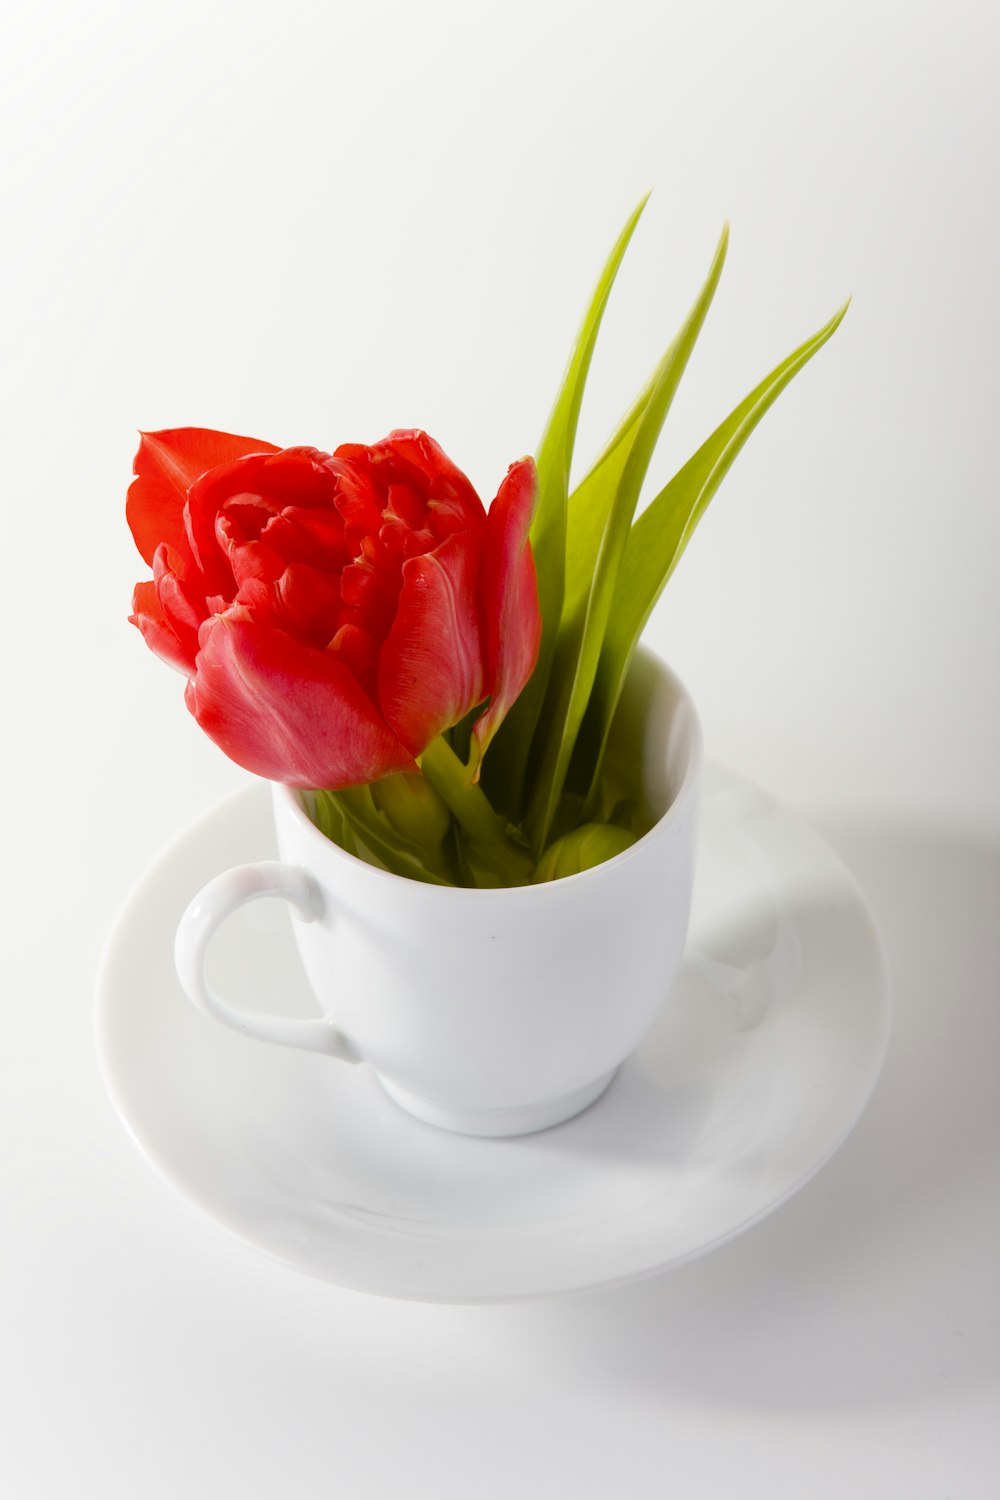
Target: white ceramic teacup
[{"x": 490, "y": 1012}]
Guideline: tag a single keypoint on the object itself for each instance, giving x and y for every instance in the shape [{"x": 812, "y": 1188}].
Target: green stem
[{"x": 472, "y": 810}]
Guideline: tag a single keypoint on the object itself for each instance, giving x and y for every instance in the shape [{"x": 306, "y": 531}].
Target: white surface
[
  {"x": 313, "y": 222},
  {"x": 752, "y": 1075}
]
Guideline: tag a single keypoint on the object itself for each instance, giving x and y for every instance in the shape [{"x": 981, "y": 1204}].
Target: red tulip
[{"x": 333, "y": 614}]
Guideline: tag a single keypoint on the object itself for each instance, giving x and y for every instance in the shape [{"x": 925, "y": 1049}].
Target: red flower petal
[
  {"x": 181, "y": 606},
  {"x": 310, "y": 603},
  {"x": 412, "y": 458},
  {"x": 286, "y": 711},
  {"x": 358, "y": 651},
  {"x": 248, "y": 493},
  {"x": 510, "y": 599},
  {"x": 147, "y": 614},
  {"x": 431, "y": 667},
  {"x": 166, "y": 466}
]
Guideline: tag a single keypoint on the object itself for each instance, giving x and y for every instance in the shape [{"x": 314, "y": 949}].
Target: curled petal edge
[
  {"x": 166, "y": 465},
  {"x": 510, "y": 598}
]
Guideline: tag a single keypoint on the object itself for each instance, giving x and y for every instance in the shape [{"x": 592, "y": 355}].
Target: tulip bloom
[{"x": 333, "y": 613}]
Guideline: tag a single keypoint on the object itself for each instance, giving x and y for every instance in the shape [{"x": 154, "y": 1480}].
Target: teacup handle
[{"x": 209, "y": 909}]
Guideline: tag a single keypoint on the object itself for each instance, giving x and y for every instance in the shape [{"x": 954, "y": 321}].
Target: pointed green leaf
[
  {"x": 661, "y": 533},
  {"x": 509, "y": 752},
  {"x": 589, "y": 507},
  {"x": 581, "y": 635},
  {"x": 330, "y": 819}
]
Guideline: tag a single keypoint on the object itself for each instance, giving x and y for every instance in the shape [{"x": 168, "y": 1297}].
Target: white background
[{"x": 312, "y": 223}]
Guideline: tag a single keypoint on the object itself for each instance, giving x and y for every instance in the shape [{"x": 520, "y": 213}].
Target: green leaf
[
  {"x": 590, "y": 504},
  {"x": 373, "y": 831},
  {"x": 330, "y": 820},
  {"x": 582, "y": 629},
  {"x": 661, "y": 533},
  {"x": 592, "y": 499},
  {"x": 506, "y": 764}
]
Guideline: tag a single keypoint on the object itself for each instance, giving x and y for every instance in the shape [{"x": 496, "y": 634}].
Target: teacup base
[{"x": 519, "y": 1119}]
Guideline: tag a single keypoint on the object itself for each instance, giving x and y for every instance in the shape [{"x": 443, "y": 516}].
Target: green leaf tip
[{"x": 836, "y": 320}]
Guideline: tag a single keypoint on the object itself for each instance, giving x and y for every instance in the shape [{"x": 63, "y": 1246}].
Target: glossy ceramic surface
[
  {"x": 756, "y": 1069},
  {"x": 491, "y": 1012}
]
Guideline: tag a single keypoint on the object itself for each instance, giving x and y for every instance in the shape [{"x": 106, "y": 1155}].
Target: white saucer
[{"x": 763, "y": 1058}]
